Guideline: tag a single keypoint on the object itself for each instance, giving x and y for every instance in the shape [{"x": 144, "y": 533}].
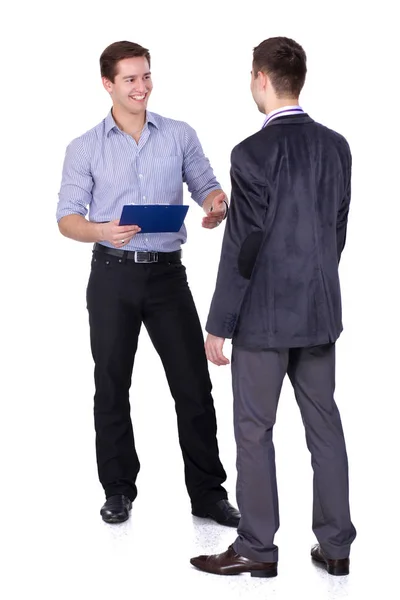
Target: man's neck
[
  {"x": 129, "y": 123},
  {"x": 277, "y": 103}
]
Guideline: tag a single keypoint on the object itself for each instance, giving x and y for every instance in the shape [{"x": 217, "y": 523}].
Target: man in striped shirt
[{"x": 137, "y": 157}]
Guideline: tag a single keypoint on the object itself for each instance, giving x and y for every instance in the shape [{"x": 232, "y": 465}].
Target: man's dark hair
[
  {"x": 284, "y": 61},
  {"x": 111, "y": 56}
]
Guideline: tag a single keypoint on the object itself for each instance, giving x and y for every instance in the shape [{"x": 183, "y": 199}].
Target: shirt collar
[
  {"x": 110, "y": 124},
  {"x": 283, "y": 111}
]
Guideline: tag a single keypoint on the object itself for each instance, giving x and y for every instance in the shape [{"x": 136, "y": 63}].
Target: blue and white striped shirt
[{"x": 105, "y": 168}]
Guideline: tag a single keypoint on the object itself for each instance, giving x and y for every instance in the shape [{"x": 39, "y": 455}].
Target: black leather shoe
[
  {"x": 222, "y": 512},
  {"x": 116, "y": 509},
  {"x": 338, "y": 566}
]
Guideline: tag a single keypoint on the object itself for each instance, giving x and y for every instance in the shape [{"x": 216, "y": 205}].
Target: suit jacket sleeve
[
  {"x": 241, "y": 242},
  {"x": 343, "y": 212}
]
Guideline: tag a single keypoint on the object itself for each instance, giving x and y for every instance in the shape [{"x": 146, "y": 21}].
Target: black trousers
[{"x": 121, "y": 295}]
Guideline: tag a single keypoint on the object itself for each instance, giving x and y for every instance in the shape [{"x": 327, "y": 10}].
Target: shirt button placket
[{"x": 140, "y": 176}]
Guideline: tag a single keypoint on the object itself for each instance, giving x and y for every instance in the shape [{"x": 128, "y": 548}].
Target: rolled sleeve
[
  {"x": 197, "y": 170},
  {"x": 75, "y": 192}
]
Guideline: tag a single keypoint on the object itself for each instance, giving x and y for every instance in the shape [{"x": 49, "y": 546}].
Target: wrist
[{"x": 99, "y": 232}]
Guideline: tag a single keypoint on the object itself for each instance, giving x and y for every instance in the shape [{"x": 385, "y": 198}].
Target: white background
[{"x": 54, "y": 544}]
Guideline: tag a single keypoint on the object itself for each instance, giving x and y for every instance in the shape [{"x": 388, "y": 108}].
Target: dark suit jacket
[{"x": 278, "y": 282}]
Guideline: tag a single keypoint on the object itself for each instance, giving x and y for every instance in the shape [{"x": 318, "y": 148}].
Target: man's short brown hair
[
  {"x": 285, "y": 63},
  {"x": 111, "y": 56}
]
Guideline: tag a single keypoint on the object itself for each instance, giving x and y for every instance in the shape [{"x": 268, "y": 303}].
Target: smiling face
[{"x": 132, "y": 85}]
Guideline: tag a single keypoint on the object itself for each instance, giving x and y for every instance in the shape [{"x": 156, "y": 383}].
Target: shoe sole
[
  {"x": 265, "y": 573},
  {"x": 224, "y": 523},
  {"x": 115, "y": 521},
  {"x": 201, "y": 515},
  {"x": 254, "y": 573}
]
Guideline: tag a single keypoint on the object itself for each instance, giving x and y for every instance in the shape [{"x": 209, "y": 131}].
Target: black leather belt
[{"x": 138, "y": 256}]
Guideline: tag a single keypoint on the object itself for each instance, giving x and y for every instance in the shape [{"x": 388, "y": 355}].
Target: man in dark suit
[{"x": 278, "y": 297}]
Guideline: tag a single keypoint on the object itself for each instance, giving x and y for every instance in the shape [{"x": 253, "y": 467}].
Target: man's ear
[
  {"x": 107, "y": 84},
  {"x": 264, "y": 80}
]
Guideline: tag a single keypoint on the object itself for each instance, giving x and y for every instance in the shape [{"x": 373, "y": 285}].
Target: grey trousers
[{"x": 257, "y": 379}]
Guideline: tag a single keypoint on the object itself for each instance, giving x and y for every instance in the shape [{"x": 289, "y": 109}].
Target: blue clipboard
[{"x": 154, "y": 218}]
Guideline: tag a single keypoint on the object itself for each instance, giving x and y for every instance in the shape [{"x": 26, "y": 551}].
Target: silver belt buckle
[{"x": 145, "y": 257}]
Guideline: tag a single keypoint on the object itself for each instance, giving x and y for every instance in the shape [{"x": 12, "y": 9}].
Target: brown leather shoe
[
  {"x": 338, "y": 566},
  {"x": 230, "y": 563}
]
